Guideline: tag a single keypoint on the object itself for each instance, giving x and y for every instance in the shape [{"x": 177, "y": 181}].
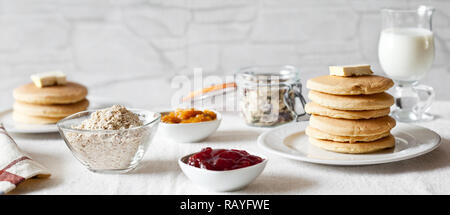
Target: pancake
[
  {"x": 355, "y": 85},
  {"x": 352, "y": 127},
  {"x": 355, "y": 102},
  {"x": 355, "y": 148},
  {"x": 53, "y": 111},
  {"x": 26, "y": 119},
  {"x": 318, "y": 134},
  {"x": 314, "y": 108},
  {"x": 58, "y": 94}
]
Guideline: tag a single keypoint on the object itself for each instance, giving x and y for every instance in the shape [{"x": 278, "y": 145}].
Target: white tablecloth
[{"x": 159, "y": 172}]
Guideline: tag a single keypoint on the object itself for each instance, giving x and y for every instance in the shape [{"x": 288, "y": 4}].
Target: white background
[
  {"x": 129, "y": 50},
  {"x": 137, "y": 46}
]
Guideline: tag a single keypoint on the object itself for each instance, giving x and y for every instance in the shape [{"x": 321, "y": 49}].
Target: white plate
[
  {"x": 14, "y": 127},
  {"x": 290, "y": 141}
]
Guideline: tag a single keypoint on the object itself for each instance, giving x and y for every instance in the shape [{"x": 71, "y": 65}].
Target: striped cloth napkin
[{"x": 15, "y": 165}]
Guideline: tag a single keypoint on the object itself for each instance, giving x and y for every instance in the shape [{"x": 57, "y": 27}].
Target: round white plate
[
  {"x": 14, "y": 127},
  {"x": 290, "y": 141}
]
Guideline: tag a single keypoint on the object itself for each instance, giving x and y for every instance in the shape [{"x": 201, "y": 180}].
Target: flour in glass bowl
[
  {"x": 108, "y": 142},
  {"x": 114, "y": 118}
]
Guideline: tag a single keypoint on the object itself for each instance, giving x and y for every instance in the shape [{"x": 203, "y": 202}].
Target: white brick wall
[{"x": 157, "y": 39}]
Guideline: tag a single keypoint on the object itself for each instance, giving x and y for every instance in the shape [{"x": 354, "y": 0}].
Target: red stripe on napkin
[{"x": 12, "y": 178}]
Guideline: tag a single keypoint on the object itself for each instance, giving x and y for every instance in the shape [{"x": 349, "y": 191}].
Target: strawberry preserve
[{"x": 223, "y": 159}]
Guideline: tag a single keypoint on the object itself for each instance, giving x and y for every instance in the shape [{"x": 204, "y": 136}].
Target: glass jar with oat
[{"x": 270, "y": 96}]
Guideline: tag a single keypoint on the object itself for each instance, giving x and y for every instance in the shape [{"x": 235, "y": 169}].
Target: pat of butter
[
  {"x": 49, "y": 79},
  {"x": 351, "y": 70}
]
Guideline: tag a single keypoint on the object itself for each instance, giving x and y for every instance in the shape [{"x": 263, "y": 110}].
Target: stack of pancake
[
  {"x": 47, "y": 105},
  {"x": 350, "y": 114}
]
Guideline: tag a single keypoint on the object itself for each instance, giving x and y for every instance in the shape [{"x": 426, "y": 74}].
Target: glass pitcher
[{"x": 406, "y": 53}]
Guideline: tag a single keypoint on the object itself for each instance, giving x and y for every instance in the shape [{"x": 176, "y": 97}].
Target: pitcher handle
[{"x": 426, "y": 97}]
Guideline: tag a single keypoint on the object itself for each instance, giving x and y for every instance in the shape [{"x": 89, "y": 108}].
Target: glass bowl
[{"x": 109, "y": 151}]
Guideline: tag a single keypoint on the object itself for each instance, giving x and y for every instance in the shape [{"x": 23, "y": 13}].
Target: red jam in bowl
[{"x": 223, "y": 159}]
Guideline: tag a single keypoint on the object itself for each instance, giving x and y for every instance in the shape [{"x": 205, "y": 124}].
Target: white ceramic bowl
[
  {"x": 189, "y": 132},
  {"x": 222, "y": 181}
]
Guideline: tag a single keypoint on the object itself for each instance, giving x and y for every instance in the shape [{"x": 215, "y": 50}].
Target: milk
[{"x": 406, "y": 54}]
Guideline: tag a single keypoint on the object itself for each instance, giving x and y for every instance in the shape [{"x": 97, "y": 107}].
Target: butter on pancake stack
[
  {"x": 48, "y": 99},
  {"x": 349, "y": 110}
]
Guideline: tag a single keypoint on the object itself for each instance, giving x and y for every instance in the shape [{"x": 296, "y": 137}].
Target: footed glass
[{"x": 406, "y": 53}]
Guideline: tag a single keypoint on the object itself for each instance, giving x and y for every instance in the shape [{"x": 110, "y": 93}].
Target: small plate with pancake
[
  {"x": 290, "y": 141},
  {"x": 6, "y": 117}
]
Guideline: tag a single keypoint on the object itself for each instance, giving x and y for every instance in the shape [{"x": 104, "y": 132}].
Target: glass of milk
[{"x": 406, "y": 53}]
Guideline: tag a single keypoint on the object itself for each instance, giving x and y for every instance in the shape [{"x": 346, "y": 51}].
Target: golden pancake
[
  {"x": 26, "y": 119},
  {"x": 354, "y": 85},
  {"x": 356, "y": 102},
  {"x": 53, "y": 111},
  {"x": 352, "y": 127},
  {"x": 58, "y": 94},
  {"x": 318, "y": 134},
  {"x": 314, "y": 108},
  {"x": 354, "y": 148}
]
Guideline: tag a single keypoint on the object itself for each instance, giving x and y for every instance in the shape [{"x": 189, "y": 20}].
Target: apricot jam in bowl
[
  {"x": 222, "y": 170},
  {"x": 189, "y": 115},
  {"x": 189, "y": 125}
]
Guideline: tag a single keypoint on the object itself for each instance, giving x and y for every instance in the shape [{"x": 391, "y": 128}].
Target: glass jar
[{"x": 270, "y": 96}]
